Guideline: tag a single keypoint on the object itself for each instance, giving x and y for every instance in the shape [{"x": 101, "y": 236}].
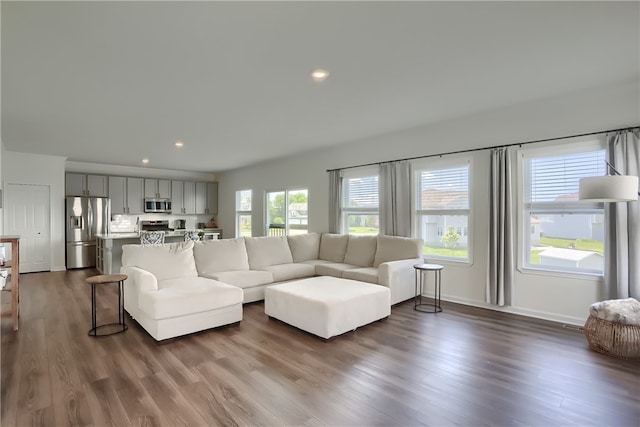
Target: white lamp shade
[{"x": 610, "y": 188}]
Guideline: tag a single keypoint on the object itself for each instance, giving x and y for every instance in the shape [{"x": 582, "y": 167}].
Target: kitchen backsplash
[{"x": 129, "y": 223}]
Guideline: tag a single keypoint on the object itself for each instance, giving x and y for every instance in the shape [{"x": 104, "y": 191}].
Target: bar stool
[
  {"x": 421, "y": 270},
  {"x": 120, "y": 325}
]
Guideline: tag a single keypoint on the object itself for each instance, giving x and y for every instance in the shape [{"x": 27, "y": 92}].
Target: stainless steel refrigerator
[{"x": 85, "y": 217}]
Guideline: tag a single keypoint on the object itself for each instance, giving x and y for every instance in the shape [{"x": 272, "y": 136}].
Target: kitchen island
[{"x": 109, "y": 248}]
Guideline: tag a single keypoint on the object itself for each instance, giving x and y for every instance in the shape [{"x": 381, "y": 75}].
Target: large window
[
  {"x": 360, "y": 212},
  {"x": 243, "y": 213},
  {"x": 560, "y": 233},
  {"x": 287, "y": 212},
  {"x": 442, "y": 211}
]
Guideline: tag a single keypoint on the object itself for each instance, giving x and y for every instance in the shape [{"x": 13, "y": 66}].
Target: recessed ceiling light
[
  {"x": 319, "y": 74},
  {"x": 179, "y": 144},
  {"x": 145, "y": 161}
]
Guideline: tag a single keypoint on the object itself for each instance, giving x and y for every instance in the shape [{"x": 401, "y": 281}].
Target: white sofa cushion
[
  {"x": 168, "y": 261},
  {"x": 334, "y": 269},
  {"x": 366, "y": 274},
  {"x": 361, "y": 250},
  {"x": 242, "y": 278},
  {"x": 282, "y": 272},
  {"x": 304, "y": 246},
  {"x": 184, "y": 296},
  {"x": 217, "y": 255},
  {"x": 394, "y": 248},
  {"x": 333, "y": 247},
  {"x": 265, "y": 251}
]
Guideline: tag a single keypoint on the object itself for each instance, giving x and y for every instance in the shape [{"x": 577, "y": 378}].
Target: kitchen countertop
[{"x": 115, "y": 236}]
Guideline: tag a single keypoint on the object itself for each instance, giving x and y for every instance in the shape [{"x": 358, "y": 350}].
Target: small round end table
[
  {"x": 420, "y": 271},
  {"x": 119, "y": 326}
]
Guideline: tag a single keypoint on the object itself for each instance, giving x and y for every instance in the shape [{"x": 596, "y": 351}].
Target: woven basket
[{"x": 613, "y": 338}]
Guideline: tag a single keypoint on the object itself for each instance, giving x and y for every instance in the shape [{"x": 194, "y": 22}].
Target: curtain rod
[{"x": 470, "y": 150}]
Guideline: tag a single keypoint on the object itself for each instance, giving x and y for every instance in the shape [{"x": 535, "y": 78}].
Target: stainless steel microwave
[{"x": 157, "y": 205}]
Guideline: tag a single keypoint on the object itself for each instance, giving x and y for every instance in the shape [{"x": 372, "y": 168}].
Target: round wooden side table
[
  {"x": 113, "y": 328},
  {"x": 421, "y": 270}
]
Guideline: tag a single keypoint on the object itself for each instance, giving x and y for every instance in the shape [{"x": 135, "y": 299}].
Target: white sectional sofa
[{"x": 179, "y": 288}]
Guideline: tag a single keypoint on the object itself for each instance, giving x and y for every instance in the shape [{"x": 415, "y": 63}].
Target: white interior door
[{"x": 27, "y": 214}]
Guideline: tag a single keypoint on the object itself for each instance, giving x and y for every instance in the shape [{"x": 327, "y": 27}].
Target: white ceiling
[{"x": 113, "y": 82}]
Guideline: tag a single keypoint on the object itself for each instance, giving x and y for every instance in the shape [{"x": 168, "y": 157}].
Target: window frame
[
  {"x": 346, "y": 210},
  {"x": 241, "y": 213},
  {"x": 523, "y": 245},
  {"x": 287, "y": 225},
  {"x": 438, "y": 163}
]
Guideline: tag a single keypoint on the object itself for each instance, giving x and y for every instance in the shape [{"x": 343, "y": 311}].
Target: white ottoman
[{"x": 327, "y": 306}]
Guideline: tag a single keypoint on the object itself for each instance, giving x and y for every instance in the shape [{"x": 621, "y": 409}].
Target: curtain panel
[
  {"x": 395, "y": 198},
  {"x": 500, "y": 265},
  {"x": 335, "y": 201},
  {"x": 622, "y": 244}
]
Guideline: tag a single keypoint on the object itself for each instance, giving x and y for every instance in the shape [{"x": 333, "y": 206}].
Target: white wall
[{"x": 561, "y": 298}]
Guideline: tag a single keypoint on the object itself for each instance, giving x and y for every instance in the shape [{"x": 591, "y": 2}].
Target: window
[
  {"x": 360, "y": 212},
  {"x": 243, "y": 213},
  {"x": 563, "y": 234},
  {"x": 442, "y": 210},
  {"x": 287, "y": 212}
]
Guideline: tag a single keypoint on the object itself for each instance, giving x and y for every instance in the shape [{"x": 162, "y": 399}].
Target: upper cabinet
[
  {"x": 118, "y": 194},
  {"x": 79, "y": 184},
  {"x": 135, "y": 195},
  {"x": 212, "y": 198},
  {"x": 189, "y": 198},
  {"x": 206, "y": 198},
  {"x": 183, "y": 198},
  {"x": 126, "y": 194},
  {"x": 157, "y": 188},
  {"x": 177, "y": 190}
]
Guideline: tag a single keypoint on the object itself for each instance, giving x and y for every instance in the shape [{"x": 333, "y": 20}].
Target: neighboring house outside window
[
  {"x": 243, "y": 213},
  {"x": 563, "y": 233},
  {"x": 361, "y": 208},
  {"x": 287, "y": 212},
  {"x": 442, "y": 208}
]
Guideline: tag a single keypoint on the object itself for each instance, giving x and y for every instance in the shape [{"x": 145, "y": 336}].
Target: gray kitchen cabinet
[
  {"x": 189, "y": 198},
  {"x": 135, "y": 195},
  {"x": 80, "y": 184},
  {"x": 212, "y": 198},
  {"x": 177, "y": 191},
  {"x": 157, "y": 188},
  {"x": 206, "y": 198},
  {"x": 118, "y": 194},
  {"x": 126, "y": 194},
  {"x": 201, "y": 198},
  {"x": 183, "y": 197}
]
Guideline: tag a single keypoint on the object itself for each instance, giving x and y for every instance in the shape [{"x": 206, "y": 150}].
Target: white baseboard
[{"x": 554, "y": 317}]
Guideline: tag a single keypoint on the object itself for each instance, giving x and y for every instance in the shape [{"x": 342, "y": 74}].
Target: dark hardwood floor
[{"x": 465, "y": 366}]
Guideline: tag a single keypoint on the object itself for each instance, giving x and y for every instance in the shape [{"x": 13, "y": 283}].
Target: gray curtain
[
  {"x": 335, "y": 201},
  {"x": 395, "y": 198},
  {"x": 501, "y": 246},
  {"x": 622, "y": 244}
]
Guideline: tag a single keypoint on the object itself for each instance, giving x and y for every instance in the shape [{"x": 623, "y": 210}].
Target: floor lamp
[{"x": 604, "y": 335}]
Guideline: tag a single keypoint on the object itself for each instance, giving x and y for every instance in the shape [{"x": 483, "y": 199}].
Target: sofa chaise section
[{"x": 165, "y": 295}]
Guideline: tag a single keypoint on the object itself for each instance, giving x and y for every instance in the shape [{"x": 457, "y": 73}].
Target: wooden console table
[{"x": 15, "y": 277}]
